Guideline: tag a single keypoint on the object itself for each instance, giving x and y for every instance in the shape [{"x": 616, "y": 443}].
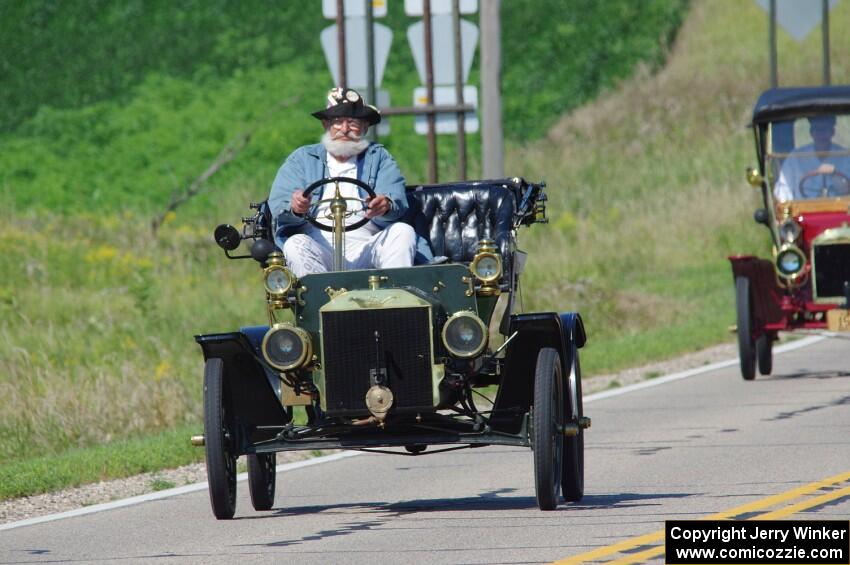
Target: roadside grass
[
  {"x": 98, "y": 317},
  {"x": 125, "y": 458}
]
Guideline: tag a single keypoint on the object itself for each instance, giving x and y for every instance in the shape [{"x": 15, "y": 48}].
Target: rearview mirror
[{"x": 227, "y": 237}]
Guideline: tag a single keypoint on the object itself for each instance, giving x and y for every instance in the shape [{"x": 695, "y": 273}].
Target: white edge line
[
  {"x": 798, "y": 344},
  {"x": 166, "y": 493},
  {"x": 805, "y": 342}
]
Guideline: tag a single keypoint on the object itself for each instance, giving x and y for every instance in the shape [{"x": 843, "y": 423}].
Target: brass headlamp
[
  {"x": 486, "y": 266},
  {"x": 277, "y": 278},
  {"x": 287, "y": 347},
  {"x": 789, "y": 230},
  {"x": 790, "y": 261}
]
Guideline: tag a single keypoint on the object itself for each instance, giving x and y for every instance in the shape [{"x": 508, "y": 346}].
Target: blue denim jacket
[{"x": 307, "y": 164}]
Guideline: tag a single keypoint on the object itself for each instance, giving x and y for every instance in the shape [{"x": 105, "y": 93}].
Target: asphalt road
[{"x": 685, "y": 449}]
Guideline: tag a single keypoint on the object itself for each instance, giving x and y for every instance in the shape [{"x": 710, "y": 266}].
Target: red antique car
[{"x": 802, "y": 137}]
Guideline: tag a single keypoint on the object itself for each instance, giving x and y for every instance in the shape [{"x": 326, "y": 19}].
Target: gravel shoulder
[{"x": 97, "y": 493}]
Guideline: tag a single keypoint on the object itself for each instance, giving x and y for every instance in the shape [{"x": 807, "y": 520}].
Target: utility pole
[
  {"x": 340, "y": 41},
  {"x": 492, "y": 144},
  {"x": 461, "y": 116},
  {"x": 774, "y": 79},
  {"x": 825, "y": 40}
]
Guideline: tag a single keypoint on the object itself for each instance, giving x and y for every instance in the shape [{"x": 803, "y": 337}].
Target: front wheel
[
  {"x": 746, "y": 345},
  {"x": 261, "y": 479},
  {"x": 547, "y": 418},
  {"x": 572, "y": 468},
  {"x": 218, "y": 438},
  {"x": 764, "y": 354}
]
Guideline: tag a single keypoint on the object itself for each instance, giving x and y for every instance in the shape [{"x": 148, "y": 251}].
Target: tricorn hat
[{"x": 347, "y": 103}]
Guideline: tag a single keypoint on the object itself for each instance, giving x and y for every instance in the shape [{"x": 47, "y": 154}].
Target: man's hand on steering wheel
[
  {"x": 838, "y": 182},
  {"x": 300, "y": 204},
  {"x": 378, "y": 206}
]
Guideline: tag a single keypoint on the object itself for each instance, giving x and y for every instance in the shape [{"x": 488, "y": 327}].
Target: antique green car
[{"x": 408, "y": 358}]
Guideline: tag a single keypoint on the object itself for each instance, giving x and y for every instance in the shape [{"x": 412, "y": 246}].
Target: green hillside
[
  {"x": 110, "y": 105},
  {"x": 645, "y": 180}
]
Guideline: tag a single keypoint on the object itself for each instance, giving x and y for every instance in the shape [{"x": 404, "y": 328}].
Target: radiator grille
[
  {"x": 832, "y": 268},
  {"x": 349, "y": 353}
]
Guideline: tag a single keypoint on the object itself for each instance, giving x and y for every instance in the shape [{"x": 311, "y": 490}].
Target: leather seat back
[{"x": 453, "y": 218}]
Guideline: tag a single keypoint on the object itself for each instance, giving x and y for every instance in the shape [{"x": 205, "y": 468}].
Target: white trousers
[{"x": 310, "y": 252}]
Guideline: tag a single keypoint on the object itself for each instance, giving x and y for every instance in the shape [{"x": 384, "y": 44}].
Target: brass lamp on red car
[{"x": 790, "y": 261}]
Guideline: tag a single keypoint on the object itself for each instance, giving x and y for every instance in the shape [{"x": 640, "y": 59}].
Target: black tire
[
  {"x": 746, "y": 345},
  {"x": 261, "y": 479},
  {"x": 572, "y": 466},
  {"x": 764, "y": 354},
  {"x": 221, "y": 462},
  {"x": 547, "y": 440}
]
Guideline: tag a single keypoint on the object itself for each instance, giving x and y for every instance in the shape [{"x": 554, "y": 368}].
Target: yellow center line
[
  {"x": 611, "y": 549},
  {"x": 805, "y": 505},
  {"x": 761, "y": 504},
  {"x": 639, "y": 557}
]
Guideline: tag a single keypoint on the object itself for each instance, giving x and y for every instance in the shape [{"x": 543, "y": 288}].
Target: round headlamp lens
[
  {"x": 284, "y": 348},
  {"x": 487, "y": 267},
  {"x": 465, "y": 335},
  {"x": 789, "y": 262},
  {"x": 278, "y": 281}
]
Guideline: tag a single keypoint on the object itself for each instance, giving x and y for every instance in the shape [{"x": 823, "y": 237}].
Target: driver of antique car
[
  {"x": 383, "y": 242},
  {"x": 816, "y": 159}
]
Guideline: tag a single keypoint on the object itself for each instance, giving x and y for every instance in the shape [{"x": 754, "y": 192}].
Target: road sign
[
  {"x": 797, "y": 17},
  {"x": 354, "y": 8},
  {"x": 355, "y": 51},
  {"x": 446, "y": 122},
  {"x": 415, "y": 7},
  {"x": 443, "y": 42}
]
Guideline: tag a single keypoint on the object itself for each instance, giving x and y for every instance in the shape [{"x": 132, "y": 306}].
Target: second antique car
[
  {"x": 423, "y": 359},
  {"x": 801, "y": 138}
]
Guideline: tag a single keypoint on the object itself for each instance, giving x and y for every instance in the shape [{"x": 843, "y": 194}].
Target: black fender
[
  {"x": 251, "y": 388},
  {"x": 563, "y": 332}
]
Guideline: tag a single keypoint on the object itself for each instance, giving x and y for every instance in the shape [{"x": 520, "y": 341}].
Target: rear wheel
[
  {"x": 746, "y": 346},
  {"x": 764, "y": 354},
  {"x": 261, "y": 479},
  {"x": 218, "y": 438},
  {"x": 572, "y": 466},
  {"x": 547, "y": 418}
]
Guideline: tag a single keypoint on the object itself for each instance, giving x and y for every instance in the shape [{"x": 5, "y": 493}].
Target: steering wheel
[
  {"x": 839, "y": 187},
  {"x": 349, "y": 227}
]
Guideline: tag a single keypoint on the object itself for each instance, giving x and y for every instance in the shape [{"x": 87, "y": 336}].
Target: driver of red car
[
  {"x": 383, "y": 242},
  {"x": 815, "y": 170}
]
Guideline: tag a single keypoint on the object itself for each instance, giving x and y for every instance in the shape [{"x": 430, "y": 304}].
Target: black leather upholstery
[{"x": 454, "y": 217}]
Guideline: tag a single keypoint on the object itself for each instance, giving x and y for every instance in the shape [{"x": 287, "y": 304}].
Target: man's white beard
[{"x": 343, "y": 148}]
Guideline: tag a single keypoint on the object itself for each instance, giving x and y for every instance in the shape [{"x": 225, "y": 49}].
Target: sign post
[
  {"x": 356, "y": 49},
  {"x": 798, "y": 18}
]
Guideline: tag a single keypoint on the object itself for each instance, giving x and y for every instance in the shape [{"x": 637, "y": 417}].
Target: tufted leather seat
[{"x": 454, "y": 217}]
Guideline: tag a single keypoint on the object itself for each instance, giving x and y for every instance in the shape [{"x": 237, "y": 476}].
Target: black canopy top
[{"x": 793, "y": 102}]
